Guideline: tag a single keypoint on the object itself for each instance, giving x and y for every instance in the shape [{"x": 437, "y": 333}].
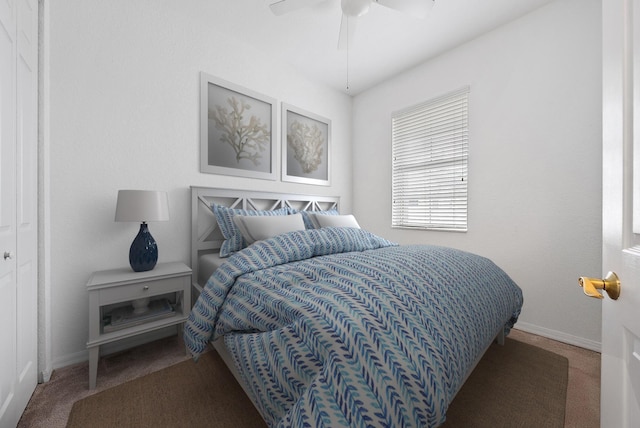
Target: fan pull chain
[{"x": 348, "y": 18}]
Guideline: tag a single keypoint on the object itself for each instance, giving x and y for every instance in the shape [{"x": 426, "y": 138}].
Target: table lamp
[{"x": 142, "y": 206}]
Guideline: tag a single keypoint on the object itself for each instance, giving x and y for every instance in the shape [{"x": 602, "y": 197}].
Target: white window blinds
[{"x": 430, "y": 158}]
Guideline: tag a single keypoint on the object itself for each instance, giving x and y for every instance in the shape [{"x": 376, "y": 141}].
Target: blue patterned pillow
[
  {"x": 309, "y": 221},
  {"x": 233, "y": 237}
]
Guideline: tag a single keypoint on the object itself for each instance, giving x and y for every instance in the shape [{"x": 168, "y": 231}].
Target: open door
[{"x": 620, "y": 393}]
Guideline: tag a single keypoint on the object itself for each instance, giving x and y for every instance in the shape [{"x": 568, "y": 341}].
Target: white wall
[
  {"x": 123, "y": 108},
  {"x": 124, "y": 113},
  {"x": 534, "y": 163}
]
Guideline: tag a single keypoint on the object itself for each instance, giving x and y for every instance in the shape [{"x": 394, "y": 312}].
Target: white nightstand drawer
[{"x": 137, "y": 291}]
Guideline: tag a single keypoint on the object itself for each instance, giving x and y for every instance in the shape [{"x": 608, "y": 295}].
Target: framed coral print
[
  {"x": 237, "y": 130},
  {"x": 306, "y": 140}
]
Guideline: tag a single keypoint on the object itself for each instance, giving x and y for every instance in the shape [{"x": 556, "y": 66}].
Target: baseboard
[
  {"x": 44, "y": 376},
  {"x": 559, "y": 336}
]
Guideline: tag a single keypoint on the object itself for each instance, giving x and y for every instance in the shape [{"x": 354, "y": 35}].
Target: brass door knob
[{"x": 610, "y": 284}]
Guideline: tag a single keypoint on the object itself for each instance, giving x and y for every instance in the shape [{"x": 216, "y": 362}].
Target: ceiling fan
[{"x": 353, "y": 9}]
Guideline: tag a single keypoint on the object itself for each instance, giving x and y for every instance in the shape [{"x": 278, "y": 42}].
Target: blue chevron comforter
[{"x": 338, "y": 327}]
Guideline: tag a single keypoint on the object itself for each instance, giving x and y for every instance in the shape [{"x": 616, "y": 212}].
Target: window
[{"x": 430, "y": 157}]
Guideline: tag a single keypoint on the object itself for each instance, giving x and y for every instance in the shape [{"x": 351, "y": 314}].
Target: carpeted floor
[
  {"x": 51, "y": 403},
  {"x": 187, "y": 394},
  {"x": 514, "y": 385}
]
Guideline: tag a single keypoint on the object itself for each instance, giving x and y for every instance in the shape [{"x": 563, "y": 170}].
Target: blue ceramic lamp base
[{"x": 143, "y": 253}]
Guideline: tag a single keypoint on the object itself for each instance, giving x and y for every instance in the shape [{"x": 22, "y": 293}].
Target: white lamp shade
[{"x": 142, "y": 206}]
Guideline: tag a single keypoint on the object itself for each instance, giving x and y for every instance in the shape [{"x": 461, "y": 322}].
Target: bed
[{"x": 336, "y": 326}]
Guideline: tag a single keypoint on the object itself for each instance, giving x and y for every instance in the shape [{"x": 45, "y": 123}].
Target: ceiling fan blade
[
  {"x": 417, "y": 8},
  {"x": 347, "y": 31},
  {"x": 280, "y": 7}
]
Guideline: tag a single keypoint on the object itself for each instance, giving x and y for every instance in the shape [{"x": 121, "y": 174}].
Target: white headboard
[{"x": 205, "y": 234}]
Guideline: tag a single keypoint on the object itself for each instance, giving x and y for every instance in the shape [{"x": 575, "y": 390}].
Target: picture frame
[
  {"x": 306, "y": 146},
  {"x": 237, "y": 130}
]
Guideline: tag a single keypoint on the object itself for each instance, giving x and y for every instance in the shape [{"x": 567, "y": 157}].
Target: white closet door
[{"x": 18, "y": 206}]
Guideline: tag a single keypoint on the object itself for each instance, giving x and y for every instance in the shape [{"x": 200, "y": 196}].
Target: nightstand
[{"x": 113, "y": 295}]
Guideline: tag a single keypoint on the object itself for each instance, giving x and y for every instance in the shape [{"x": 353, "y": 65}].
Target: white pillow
[
  {"x": 336, "y": 220},
  {"x": 258, "y": 228}
]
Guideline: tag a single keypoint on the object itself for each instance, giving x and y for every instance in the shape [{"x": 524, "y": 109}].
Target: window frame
[{"x": 430, "y": 158}]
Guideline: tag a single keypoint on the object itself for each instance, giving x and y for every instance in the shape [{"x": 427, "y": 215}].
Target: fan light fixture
[{"x": 355, "y": 8}]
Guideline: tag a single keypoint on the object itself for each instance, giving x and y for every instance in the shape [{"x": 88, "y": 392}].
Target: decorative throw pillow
[
  {"x": 233, "y": 237},
  {"x": 254, "y": 228},
  {"x": 308, "y": 217},
  {"x": 336, "y": 220}
]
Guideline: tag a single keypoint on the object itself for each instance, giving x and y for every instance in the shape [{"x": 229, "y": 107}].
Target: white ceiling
[{"x": 386, "y": 42}]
